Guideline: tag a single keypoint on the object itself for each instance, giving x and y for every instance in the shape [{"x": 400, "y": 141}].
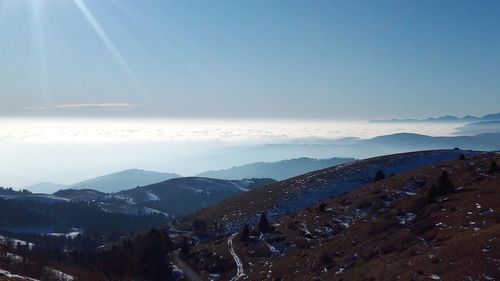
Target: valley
[{"x": 381, "y": 218}]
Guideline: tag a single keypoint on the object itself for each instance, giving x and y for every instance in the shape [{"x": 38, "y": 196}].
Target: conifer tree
[
  {"x": 245, "y": 233},
  {"x": 379, "y": 176},
  {"x": 493, "y": 167},
  {"x": 444, "y": 187},
  {"x": 264, "y": 224}
]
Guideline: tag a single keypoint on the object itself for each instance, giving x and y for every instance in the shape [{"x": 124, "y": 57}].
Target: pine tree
[
  {"x": 493, "y": 167},
  {"x": 322, "y": 207},
  {"x": 444, "y": 187},
  {"x": 379, "y": 176},
  {"x": 185, "y": 248},
  {"x": 200, "y": 225},
  {"x": 264, "y": 224},
  {"x": 245, "y": 233},
  {"x": 445, "y": 184},
  {"x": 433, "y": 193}
]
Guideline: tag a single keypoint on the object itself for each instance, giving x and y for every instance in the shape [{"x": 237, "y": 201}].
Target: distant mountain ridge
[
  {"x": 109, "y": 183},
  {"x": 46, "y": 187},
  {"x": 486, "y": 142},
  {"x": 482, "y": 127},
  {"x": 277, "y": 170},
  {"x": 174, "y": 197},
  {"x": 171, "y": 198},
  {"x": 447, "y": 118},
  {"x": 131, "y": 178},
  {"x": 123, "y": 180},
  {"x": 383, "y": 145},
  {"x": 348, "y": 147}
]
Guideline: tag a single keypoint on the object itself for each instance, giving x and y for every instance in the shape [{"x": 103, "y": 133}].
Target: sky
[
  {"x": 249, "y": 59},
  {"x": 188, "y": 86}
]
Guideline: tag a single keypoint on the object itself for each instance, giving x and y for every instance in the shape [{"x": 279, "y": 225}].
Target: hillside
[
  {"x": 303, "y": 191},
  {"x": 172, "y": 198},
  {"x": 124, "y": 180},
  {"x": 277, "y": 170},
  {"x": 182, "y": 196},
  {"x": 437, "y": 222},
  {"x": 39, "y": 215},
  {"x": 343, "y": 223}
]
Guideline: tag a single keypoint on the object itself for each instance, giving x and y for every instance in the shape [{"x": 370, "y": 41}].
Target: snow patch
[
  {"x": 4, "y": 240},
  {"x": 10, "y": 275},
  {"x": 152, "y": 197}
]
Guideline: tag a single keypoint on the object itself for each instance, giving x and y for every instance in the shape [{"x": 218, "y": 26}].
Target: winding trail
[
  {"x": 239, "y": 264},
  {"x": 9, "y": 275}
]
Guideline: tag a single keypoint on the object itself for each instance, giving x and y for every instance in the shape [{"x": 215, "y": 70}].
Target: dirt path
[
  {"x": 189, "y": 273},
  {"x": 239, "y": 264},
  {"x": 11, "y": 276}
]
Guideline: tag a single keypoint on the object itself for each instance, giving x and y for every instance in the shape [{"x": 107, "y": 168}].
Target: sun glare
[
  {"x": 106, "y": 40},
  {"x": 37, "y": 13}
]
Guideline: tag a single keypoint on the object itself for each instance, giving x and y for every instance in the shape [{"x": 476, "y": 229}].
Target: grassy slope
[{"x": 449, "y": 239}]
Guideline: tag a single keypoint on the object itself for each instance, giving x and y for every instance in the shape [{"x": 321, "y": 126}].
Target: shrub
[
  {"x": 379, "y": 176},
  {"x": 245, "y": 233},
  {"x": 264, "y": 224},
  {"x": 326, "y": 258},
  {"x": 444, "y": 187},
  {"x": 199, "y": 225},
  {"x": 422, "y": 226},
  {"x": 322, "y": 207},
  {"x": 493, "y": 167},
  {"x": 365, "y": 203}
]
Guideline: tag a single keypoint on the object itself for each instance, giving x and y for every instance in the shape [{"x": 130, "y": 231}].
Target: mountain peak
[
  {"x": 125, "y": 179},
  {"x": 445, "y": 118}
]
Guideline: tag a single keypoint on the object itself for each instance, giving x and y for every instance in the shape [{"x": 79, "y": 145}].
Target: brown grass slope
[
  {"x": 296, "y": 193},
  {"x": 388, "y": 230}
]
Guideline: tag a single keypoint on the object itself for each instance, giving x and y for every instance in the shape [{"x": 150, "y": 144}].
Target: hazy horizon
[
  {"x": 89, "y": 87},
  {"x": 78, "y": 149}
]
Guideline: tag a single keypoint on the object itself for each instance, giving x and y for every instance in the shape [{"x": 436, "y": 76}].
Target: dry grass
[{"x": 453, "y": 239}]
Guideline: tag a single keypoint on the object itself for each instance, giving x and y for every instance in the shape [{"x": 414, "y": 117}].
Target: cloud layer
[
  {"x": 87, "y": 106},
  {"x": 98, "y": 106},
  {"x": 79, "y": 130}
]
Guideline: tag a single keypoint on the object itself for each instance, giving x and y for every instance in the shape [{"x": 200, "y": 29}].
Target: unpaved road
[
  {"x": 239, "y": 265},
  {"x": 189, "y": 273}
]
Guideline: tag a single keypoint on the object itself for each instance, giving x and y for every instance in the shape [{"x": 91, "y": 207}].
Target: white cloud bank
[
  {"x": 87, "y": 106},
  {"x": 99, "y": 106}
]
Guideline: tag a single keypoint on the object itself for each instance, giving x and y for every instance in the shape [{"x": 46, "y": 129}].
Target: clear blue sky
[{"x": 329, "y": 59}]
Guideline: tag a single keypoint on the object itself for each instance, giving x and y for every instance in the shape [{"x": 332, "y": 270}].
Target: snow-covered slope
[
  {"x": 174, "y": 197},
  {"x": 181, "y": 196},
  {"x": 46, "y": 198}
]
